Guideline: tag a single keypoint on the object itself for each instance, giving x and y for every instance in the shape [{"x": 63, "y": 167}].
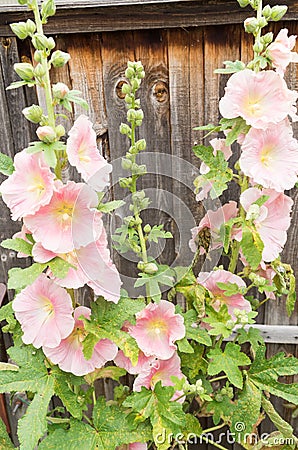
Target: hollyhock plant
[
  {"x": 210, "y": 279},
  {"x": 270, "y": 157},
  {"x": 44, "y": 311},
  {"x": 262, "y": 99},
  {"x": 69, "y": 353},
  {"x": 157, "y": 328},
  {"x": 134, "y": 446},
  {"x": 273, "y": 220},
  {"x": 142, "y": 365},
  {"x": 213, "y": 221},
  {"x": 29, "y": 187},
  {"x": 160, "y": 370},
  {"x": 22, "y": 235},
  {"x": 279, "y": 51},
  {"x": 69, "y": 221},
  {"x": 83, "y": 153}
]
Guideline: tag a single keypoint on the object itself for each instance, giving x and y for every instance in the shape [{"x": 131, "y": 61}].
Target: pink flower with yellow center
[
  {"x": 69, "y": 353},
  {"x": 69, "y": 221},
  {"x": 280, "y": 52},
  {"x": 260, "y": 98},
  {"x": 160, "y": 370},
  {"x": 83, "y": 153},
  {"x": 273, "y": 220},
  {"x": 142, "y": 365},
  {"x": 157, "y": 328},
  {"x": 29, "y": 187},
  {"x": 44, "y": 311},
  {"x": 270, "y": 157},
  {"x": 210, "y": 279}
]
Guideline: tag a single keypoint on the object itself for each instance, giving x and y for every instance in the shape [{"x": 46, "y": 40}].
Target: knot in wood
[
  {"x": 160, "y": 91},
  {"x": 119, "y": 89}
]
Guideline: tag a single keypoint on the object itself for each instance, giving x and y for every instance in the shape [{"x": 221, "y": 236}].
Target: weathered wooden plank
[
  {"x": 273, "y": 334},
  {"x": 141, "y": 16}
]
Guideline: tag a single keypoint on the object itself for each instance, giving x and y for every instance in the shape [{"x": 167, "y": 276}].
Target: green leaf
[
  {"x": 6, "y": 164},
  {"x": 105, "y": 372},
  {"x": 264, "y": 374},
  {"x": 220, "y": 321},
  {"x": 291, "y": 297},
  {"x": 252, "y": 247},
  {"x": 228, "y": 288},
  {"x": 247, "y": 411},
  {"x": 18, "y": 245},
  {"x": 5, "y": 442},
  {"x": 184, "y": 346},
  {"x": 59, "y": 267},
  {"x": 33, "y": 424},
  {"x": 228, "y": 361},
  {"x": 236, "y": 126},
  {"x": 282, "y": 426},
  {"x": 17, "y": 84},
  {"x": 221, "y": 410},
  {"x": 193, "y": 363},
  {"x": 231, "y": 67},
  {"x": 109, "y": 207},
  {"x": 63, "y": 383},
  {"x": 8, "y": 366},
  {"x": 20, "y": 278},
  {"x": 192, "y": 426},
  {"x": 157, "y": 232},
  {"x": 252, "y": 335},
  {"x": 193, "y": 330}
]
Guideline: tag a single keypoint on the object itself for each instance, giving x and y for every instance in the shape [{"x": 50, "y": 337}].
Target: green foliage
[
  {"x": 164, "y": 277},
  {"x": 193, "y": 330},
  {"x": 20, "y": 278},
  {"x": 109, "y": 207},
  {"x": 166, "y": 417},
  {"x": 252, "y": 335},
  {"x": 220, "y": 321},
  {"x": 252, "y": 246},
  {"x": 6, "y": 164},
  {"x": 59, "y": 267},
  {"x": 112, "y": 372},
  {"x": 247, "y": 410},
  {"x": 5, "y": 442},
  {"x": 157, "y": 232},
  {"x": 222, "y": 408},
  {"x": 284, "y": 427},
  {"x": 18, "y": 245},
  {"x": 228, "y": 361},
  {"x": 235, "y": 127},
  {"x": 265, "y": 373},
  {"x": 231, "y": 67}
]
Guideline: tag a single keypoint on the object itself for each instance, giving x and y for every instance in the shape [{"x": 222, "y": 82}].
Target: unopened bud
[
  {"x": 24, "y": 70},
  {"x": 139, "y": 115},
  {"x": 126, "y": 164},
  {"x": 131, "y": 115},
  {"x": 51, "y": 43},
  {"x": 40, "y": 41},
  {"x": 59, "y": 58},
  {"x": 129, "y": 73},
  {"x": 267, "y": 12},
  {"x": 243, "y": 3},
  {"x": 38, "y": 55},
  {"x": 267, "y": 38},
  {"x": 48, "y": 9},
  {"x": 19, "y": 29},
  {"x": 251, "y": 25},
  {"x": 262, "y": 22},
  {"x": 258, "y": 47},
  {"x": 253, "y": 212},
  {"x": 46, "y": 134},
  {"x": 124, "y": 129},
  {"x": 22, "y": 2},
  {"x": 126, "y": 89},
  {"x": 278, "y": 12},
  {"x": 31, "y": 27},
  {"x": 33, "y": 113},
  {"x": 150, "y": 268},
  {"x": 141, "y": 145},
  {"x": 60, "y": 90},
  {"x": 60, "y": 131},
  {"x": 39, "y": 71}
]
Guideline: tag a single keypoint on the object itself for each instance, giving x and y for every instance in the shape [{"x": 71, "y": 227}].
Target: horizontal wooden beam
[
  {"x": 274, "y": 334},
  {"x": 86, "y": 16}
]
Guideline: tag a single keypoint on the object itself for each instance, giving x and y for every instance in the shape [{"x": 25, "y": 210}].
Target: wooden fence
[{"x": 180, "y": 44}]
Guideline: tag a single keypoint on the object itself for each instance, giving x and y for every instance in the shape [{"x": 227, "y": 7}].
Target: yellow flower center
[
  {"x": 37, "y": 186},
  {"x": 48, "y": 306},
  {"x": 157, "y": 327},
  {"x": 266, "y": 156},
  {"x": 82, "y": 156}
]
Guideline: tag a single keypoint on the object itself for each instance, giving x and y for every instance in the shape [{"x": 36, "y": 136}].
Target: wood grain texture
[{"x": 71, "y": 18}]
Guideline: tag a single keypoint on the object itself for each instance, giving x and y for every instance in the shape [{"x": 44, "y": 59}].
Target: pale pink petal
[
  {"x": 83, "y": 153},
  {"x": 29, "y": 187},
  {"x": 279, "y": 51},
  {"x": 260, "y": 98},
  {"x": 143, "y": 362},
  {"x": 45, "y": 313}
]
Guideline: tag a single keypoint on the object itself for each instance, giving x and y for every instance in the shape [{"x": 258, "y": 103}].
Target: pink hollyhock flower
[
  {"x": 270, "y": 157},
  {"x": 92, "y": 266},
  {"x": 29, "y": 187},
  {"x": 69, "y": 221},
  {"x": 46, "y": 134},
  {"x": 134, "y": 446},
  {"x": 143, "y": 362},
  {"x": 213, "y": 221},
  {"x": 44, "y": 311},
  {"x": 83, "y": 153},
  {"x": 160, "y": 370},
  {"x": 273, "y": 220},
  {"x": 261, "y": 98},
  {"x": 280, "y": 53},
  {"x": 210, "y": 279},
  {"x": 157, "y": 328},
  {"x": 69, "y": 353},
  {"x": 206, "y": 185}
]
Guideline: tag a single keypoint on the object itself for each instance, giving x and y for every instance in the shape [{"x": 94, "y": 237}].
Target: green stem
[
  {"x": 208, "y": 441},
  {"x": 222, "y": 377},
  {"x": 218, "y": 427},
  {"x": 258, "y": 35}
]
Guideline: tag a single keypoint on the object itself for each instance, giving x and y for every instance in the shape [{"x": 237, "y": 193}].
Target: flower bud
[
  {"x": 126, "y": 164},
  {"x": 251, "y": 25},
  {"x": 125, "y": 182},
  {"x": 278, "y": 12},
  {"x": 135, "y": 84},
  {"x": 262, "y": 22},
  {"x": 267, "y": 38},
  {"x": 129, "y": 73},
  {"x": 31, "y": 27},
  {"x": 22, "y": 2},
  {"x": 59, "y": 58},
  {"x": 60, "y": 90},
  {"x": 124, "y": 129},
  {"x": 38, "y": 55},
  {"x": 19, "y": 29},
  {"x": 33, "y": 113},
  {"x": 24, "y": 70},
  {"x": 139, "y": 115},
  {"x": 243, "y": 3},
  {"x": 46, "y": 134},
  {"x": 48, "y": 9},
  {"x": 147, "y": 228},
  {"x": 258, "y": 47},
  {"x": 141, "y": 145},
  {"x": 267, "y": 12},
  {"x": 150, "y": 268},
  {"x": 39, "y": 71},
  {"x": 253, "y": 212},
  {"x": 60, "y": 131},
  {"x": 126, "y": 89},
  {"x": 40, "y": 41},
  {"x": 128, "y": 99},
  {"x": 51, "y": 43},
  {"x": 131, "y": 115}
]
